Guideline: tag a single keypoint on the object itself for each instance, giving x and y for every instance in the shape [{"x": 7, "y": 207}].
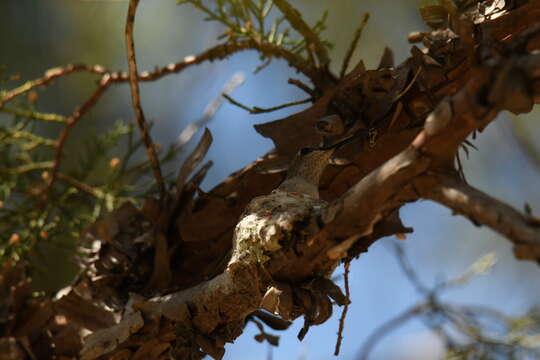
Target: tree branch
[
  {"x": 49, "y": 76},
  {"x": 136, "y": 99},
  {"x": 207, "y": 305},
  {"x": 483, "y": 209},
  {"x": 354, "y": 215}
]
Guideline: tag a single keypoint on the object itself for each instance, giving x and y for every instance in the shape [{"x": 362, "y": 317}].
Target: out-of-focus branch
[
  {"x": 295, "y": 19},
  {"x": 217, "y": 52},
  {"x": 390, "y": 326},
  {"x": 483, "y": 209},
  {"x": 525, "y": 142},
  {"x": 353, "y": 45},
  {"x": 49, "y": 76},
  {"x": 136, "y": 99}
]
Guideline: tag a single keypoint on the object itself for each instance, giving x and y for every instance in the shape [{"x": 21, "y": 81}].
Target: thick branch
[
  {"x": 208, "y": 304},
  {"x": 356, "y": 212},
  {"x": 482, "y": 209}
]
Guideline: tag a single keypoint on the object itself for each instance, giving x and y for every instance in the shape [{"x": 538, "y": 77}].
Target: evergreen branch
[
  {"x": 135, "y": 97},
  {"x": 295, "y": 19},
  {"x": 35, "y": 115},
  {"x": 80, "y": 185},
  {"x": 34, "y": 139},
  {"x": 352, "y": 46},
  {"x": 211, "y": 15},
  {"x": 27, "y": 167}
]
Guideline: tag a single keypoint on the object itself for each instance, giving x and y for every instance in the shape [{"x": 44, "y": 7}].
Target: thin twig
[
  {"x": 299, "y": 84},
  {"x": 352, "y": 46},
  {"x": 135, "y": 97},
  {"x": 218, "y": 52},
  {"x": 226, "y": 49},
  {"x": 408, "y": 87},
  {"x": 345, "y": 309},
  {"x": 80, "y": 185},
  {"x": 409, "y": 271},
  {"x": 258, "y": 110},
  {"x": 50, "y": 75}
]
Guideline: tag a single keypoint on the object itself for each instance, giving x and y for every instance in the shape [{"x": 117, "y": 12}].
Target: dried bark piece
[
  {"x": 193, "y": 160},
  {"x": 278, "y": 300}
]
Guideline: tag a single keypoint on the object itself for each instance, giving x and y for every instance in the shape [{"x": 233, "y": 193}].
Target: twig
[
  {"x": 217, "y": 52},
  {"x": 408, "y": 87},
  {"x": 295, "y": 19},
  {"x": 135, "y": 97},
  {"x": 352, "y": 46},
  {"x": 50, "y": 75},
  {"x": 258, "y": 110},
  {"x": 409, "y": 271},
  {"x": 226, "y": 49},
  {"x": 302, "y": 86},
  {"x": 80, "y": 185},
  {"x": 345, "y": 309}
]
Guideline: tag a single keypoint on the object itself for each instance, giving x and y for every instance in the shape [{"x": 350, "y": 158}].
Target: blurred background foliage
[{"x": 37, "y": 35}]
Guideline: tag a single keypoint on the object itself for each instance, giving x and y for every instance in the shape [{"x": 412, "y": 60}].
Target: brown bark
[{"x": 409, "y": 123}]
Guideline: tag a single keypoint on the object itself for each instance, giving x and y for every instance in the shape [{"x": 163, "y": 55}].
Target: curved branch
[
  {"x": 49, "y": 76},
  {"x": 136, "y": 99},
  {"x": 386, "y": 328},
  {"x": 482, "y": 209},
  {"x": 217, "y": 52}
]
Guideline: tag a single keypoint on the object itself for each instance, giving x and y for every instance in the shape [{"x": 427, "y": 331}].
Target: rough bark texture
[{"x": 409, "y": 122}]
